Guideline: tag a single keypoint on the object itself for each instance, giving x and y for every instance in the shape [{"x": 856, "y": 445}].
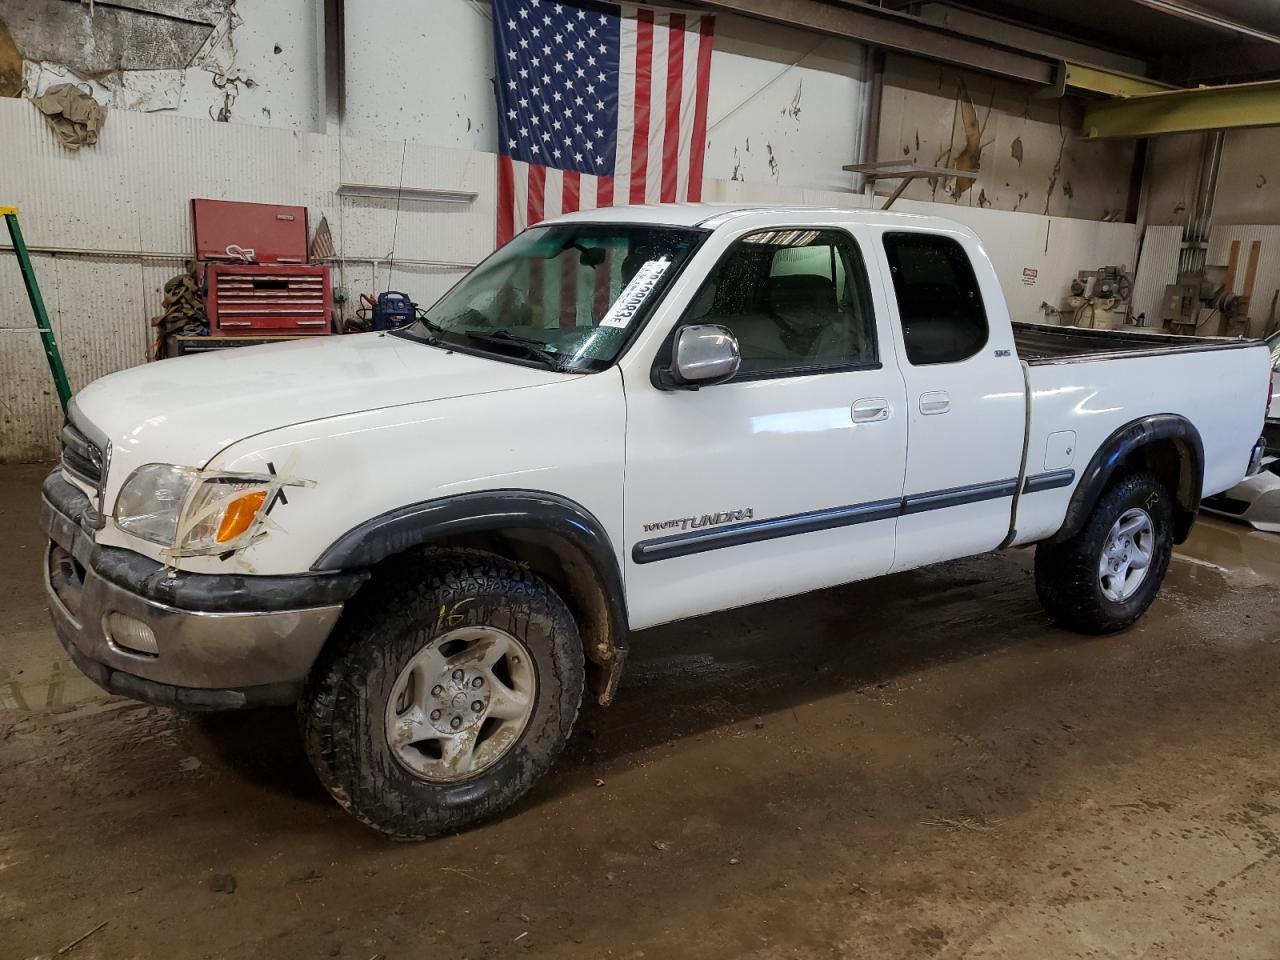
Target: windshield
[
  {"x": 1273, "y": 342},
  {"x": 567, "y": 296}
]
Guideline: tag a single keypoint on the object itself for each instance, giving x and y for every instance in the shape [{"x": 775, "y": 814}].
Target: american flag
[{"x": 598, "y": 104}]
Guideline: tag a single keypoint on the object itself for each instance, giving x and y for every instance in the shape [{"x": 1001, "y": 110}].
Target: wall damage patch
[
  {"x": 10, "y": 64},
  {"x": 97, "y": 39},
  {"x": 969, "y": 159}
]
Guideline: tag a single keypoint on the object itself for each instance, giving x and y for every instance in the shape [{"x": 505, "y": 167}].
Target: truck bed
[{"x": 1044, "y": 343}]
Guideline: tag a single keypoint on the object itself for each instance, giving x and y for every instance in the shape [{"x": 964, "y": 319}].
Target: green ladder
[{"x": 37, "y": 307}]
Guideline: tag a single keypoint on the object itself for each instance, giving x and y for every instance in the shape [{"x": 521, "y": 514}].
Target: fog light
[{"x": 130, "y": 635}]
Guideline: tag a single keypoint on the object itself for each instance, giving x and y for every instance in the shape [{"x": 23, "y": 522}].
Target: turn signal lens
[
  {"x": 221, "y": 514},
  {"x": 239, "y": 514}
]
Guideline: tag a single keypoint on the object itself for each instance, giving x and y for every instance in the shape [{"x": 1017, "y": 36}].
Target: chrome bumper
[{"x": 211, "y": 658}]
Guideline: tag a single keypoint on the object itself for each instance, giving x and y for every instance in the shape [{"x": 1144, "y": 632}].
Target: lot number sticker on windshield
[{"x": 635, "y": 294}]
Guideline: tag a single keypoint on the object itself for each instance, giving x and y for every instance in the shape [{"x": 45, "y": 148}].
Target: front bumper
[{"x": 222, "y": 641}]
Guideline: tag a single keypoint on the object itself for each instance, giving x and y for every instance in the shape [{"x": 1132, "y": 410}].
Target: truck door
[
  {"x": 966, "y": 402},
  {"x": 787, "y": 477}
]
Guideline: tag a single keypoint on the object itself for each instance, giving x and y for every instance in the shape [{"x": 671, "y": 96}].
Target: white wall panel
[
  {"x": 1157, "y": 268},
  {"x": 420, "y": 69},
  {"x": 783, "y": 105},
  {"x": 1056, "y": 248}
]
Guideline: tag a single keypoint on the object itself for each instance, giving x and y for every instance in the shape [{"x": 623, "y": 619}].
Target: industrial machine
[
  {"x": 1099, "y": 299},
  {"x": 1202, "y": 303}
]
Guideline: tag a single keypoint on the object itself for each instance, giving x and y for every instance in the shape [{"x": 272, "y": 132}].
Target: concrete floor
[{"x": 917, "y": 767}]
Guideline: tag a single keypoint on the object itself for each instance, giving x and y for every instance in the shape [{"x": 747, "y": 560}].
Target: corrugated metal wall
[{"x": 126, "y": 202}]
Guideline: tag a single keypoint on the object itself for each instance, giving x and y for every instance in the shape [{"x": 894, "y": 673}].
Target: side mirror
[{"x": 703, "y": 354}]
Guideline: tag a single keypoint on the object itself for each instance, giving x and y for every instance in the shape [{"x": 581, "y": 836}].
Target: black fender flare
[
  {"x": 496, "y": 511},
  {"x": 1113, "y": 451}
]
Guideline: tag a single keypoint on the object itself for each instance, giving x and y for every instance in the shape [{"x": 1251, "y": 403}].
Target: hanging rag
[{"x": 76, "y": 118}]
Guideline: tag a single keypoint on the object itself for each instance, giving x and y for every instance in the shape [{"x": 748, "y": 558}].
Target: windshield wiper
[
  {"x": 433, "y": 330},
  {"x": 432, "y": 337},
  {"x": 533, "y": 349}
]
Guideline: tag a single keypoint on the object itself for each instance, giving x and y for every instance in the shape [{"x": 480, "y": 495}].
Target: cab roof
[{"x": 712, "y": 215}]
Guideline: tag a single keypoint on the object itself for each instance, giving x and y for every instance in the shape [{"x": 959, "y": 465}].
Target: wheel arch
[
  {"x": 556, "y": 538},
  {"x": 1166, "y": 444}
]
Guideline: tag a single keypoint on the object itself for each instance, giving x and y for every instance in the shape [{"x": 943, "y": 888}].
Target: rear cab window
[{"x": 940, "y": 306}]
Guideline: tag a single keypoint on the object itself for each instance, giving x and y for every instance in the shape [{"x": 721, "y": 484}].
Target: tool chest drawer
[{"x": 253, "y": 299}]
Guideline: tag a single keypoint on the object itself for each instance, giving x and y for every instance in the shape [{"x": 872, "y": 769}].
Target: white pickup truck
[{"x": 433, "y": 540}]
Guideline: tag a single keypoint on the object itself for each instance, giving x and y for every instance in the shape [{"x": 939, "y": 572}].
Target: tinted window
[
  {"x": 796, "y": 300},
  {"x": 943, "y": 319}
]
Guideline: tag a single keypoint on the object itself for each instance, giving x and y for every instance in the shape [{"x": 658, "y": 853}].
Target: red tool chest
[
  {"x": 275, "y": 233},
  {"x": 279, "y": 292},
  {"x": 247, "y": 299}
]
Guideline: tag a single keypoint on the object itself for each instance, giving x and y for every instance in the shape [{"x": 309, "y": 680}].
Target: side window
[
  {"x": 797, "y": 300},
  {"x": 943, "y": 319}
]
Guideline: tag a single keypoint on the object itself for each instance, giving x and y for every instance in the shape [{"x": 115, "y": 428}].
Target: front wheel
[
  {"x": 1105, "y": 577},
  {"x": 447, "y": 692}
]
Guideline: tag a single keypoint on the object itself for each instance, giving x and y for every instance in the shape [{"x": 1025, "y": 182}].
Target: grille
[{"x": 81, "y": 457}]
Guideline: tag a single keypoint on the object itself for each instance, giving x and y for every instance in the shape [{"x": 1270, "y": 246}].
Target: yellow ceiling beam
[
  {"x": 1183, "y": 111},
  {"x": 1076, "y": 76}
]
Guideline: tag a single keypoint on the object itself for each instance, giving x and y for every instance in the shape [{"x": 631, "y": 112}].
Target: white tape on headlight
[{"x": 197, "y": 512}]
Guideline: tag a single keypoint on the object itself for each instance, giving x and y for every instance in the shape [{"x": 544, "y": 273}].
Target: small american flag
[{"x": 598, "y": 104}]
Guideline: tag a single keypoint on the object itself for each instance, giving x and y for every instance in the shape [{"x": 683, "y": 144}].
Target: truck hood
[{"x": 184, "y": 410}]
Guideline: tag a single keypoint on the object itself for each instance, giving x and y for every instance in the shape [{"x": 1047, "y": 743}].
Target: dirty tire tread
[
  {"x": 1066, "y": 573},
  {"x": 342, "y": 725}
]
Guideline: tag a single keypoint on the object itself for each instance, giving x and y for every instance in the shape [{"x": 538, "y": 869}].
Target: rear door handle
[
  {"x": 870, "y": 410},
  {"x": 935, "y": 401}
]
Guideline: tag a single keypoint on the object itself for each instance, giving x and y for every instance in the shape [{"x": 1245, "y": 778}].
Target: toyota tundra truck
[{"x": 434, "y": 540}]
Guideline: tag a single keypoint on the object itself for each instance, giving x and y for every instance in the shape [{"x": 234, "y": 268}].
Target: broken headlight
[
  {"x": 151, "y": 501},
  {"x": 191, "y": 511}
]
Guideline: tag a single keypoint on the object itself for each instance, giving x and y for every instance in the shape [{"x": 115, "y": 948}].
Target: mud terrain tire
[
  {"x": 1067, "y": 574},
  {"x": 344, "y": 705}
]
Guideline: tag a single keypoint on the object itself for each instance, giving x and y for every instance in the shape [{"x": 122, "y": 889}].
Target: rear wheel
[
  {"x": 1106, "y": 576},
  {"x": 444, "y": 695}
]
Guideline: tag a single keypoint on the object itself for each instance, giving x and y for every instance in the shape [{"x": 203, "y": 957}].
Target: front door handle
[
  {"x": 935, "y": 401},
  {"x": 870, "y": 410}
]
